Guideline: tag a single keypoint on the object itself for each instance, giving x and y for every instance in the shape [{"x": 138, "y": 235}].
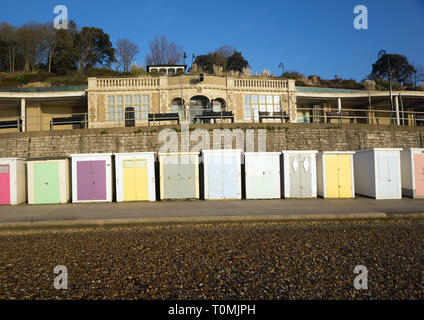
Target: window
[
  {"x": 303, "y": 117},
  {"x": 116, "y": 106},
  {"x": 247, "y": 115},
  {"x": 141, "y": 164},
  {"x": 128, "y": 100},
  {"x": 128, "y": 163},
  {"x": 255, "y": 103},
  {"x": 110, "y": 113},
  {"x": 120, "y": 113},
  {"x": 137, "y": 107}
]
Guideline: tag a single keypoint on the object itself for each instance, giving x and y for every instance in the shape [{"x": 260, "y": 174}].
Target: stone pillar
[
  {"x": 292, "y": 106},
  {"x": 23, "y": 114},
  {"x": 92, "y": 110},
  {"x": 339, "y": 109},
  {"x": 397, "y": 110}
]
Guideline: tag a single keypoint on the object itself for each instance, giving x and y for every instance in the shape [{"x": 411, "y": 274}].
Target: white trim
[
  {"x": 206, "y": 158},
  {"x": 150, "y": 158},
  {"x": 17, "y": 182},
  {"x": 92, "y": 157}
]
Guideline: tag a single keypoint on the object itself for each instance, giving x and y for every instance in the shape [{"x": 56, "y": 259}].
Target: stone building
[
  {"x": 107, "y": 101},
  {"x": 109, "y": 98}
]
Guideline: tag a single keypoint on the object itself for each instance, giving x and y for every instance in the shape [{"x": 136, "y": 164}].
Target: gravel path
[{"x": 284, "y": 260}]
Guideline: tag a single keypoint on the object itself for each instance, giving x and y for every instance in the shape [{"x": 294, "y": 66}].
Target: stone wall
[{"x": 278, "y": 137}]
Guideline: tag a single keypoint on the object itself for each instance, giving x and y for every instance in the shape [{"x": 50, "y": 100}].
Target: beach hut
[
  {"x": 222, "y": 173},
  {"x": 335, "y": 178},
  {"x": 48, "y": 180},
  {"x": 300, "y": 174},
  {"x": 377, "y": 173},
  {"x": 91, "y": 177},
  {"x": 135, "y": 176},
  {"x": 12, "y": 181},
  {"x": 412, "y": 172},
  {"x": 179, "y": 175},
  {"x": 262, "y": 172}
]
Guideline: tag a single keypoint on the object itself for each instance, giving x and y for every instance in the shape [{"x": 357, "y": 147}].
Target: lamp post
[{"x": 381, "y": 54}]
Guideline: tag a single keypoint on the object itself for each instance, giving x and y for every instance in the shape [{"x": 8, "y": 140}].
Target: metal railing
[{"x": 208, "y": 115}]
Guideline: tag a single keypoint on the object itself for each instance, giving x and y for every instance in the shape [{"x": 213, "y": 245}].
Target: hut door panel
[
  {"x": 141, "y": 180},
  {"x": 188, "y": 180},
  {"x": 388, "y": 179},
  {"x": 129, "y": 180},
  {"x": 46, "y": 182},
  {"x": 83, "y": 180},
  {"x": 230, "y": 174},
  {"x": 306, "y": 177},
  {"x": 295, "y": 176},
  {"x": 272, "y": 173},
  {"x": 98, "y": 180},
  {"x": 332, "y": 176},
  {"x": 91, "y": 180},
  {"x": 345, "y": 176},
  {"x": 254, "y": 178},
  {"x": 171, "y": 177},
  {"x": 419, "y": 174},
  {"x": 179, "y": 178},
  {"x": 215, "y": 181},
  {"x": 4, "y": 184}
]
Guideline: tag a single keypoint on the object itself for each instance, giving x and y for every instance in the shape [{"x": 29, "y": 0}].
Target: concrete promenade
[{"x": 206, "y": 210}]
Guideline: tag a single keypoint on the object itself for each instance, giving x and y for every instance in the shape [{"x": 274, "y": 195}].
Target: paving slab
[{"x": 215, "y": 208}]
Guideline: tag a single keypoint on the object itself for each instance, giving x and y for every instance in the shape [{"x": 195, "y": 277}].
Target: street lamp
[{"x": 381, "y": 54}]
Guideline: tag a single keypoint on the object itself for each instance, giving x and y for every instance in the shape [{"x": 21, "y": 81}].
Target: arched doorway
[
  {"x": 177, "y": 106},
  {"x": 198, "y": 104},
  {"x": 218, "y": 104}
]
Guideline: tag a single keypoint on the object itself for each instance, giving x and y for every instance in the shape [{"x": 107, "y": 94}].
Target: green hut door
[{"x": 46, "y": 182}]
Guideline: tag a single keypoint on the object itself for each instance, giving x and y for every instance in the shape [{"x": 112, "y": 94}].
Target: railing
[
  {"x": 260, "y": 83},
  {"x": 207, "y": 115},
  {"x": 367, "y": 116},
  {"x": 126, "y": 82}
]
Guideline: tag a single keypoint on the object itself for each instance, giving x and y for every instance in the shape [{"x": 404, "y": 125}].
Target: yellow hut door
[
  {"x": 331, "y": 176},
  {"x": 135, "y": 180},
  {"x": 338, "y": 176},
  {"x": 345, "y": 176}
]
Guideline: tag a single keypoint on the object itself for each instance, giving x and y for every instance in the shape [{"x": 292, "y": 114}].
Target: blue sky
[{"x": 309, "y": 36}]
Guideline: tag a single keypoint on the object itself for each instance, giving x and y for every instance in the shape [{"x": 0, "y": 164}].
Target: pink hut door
[
  {"x": 419, "y": 174},
  {"x": 4, "y": 184}
]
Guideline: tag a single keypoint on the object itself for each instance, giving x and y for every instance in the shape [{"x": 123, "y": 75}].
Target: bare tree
[
  {"x": 48, "y": 36},
  {"x": 9, "y": 37},
  {"x": 31, "y": 45},
  {"x": 418, "y": 76},
  {"x": 226, "y": 51},
  {"x": 162, "y": 52},
  {"x": 126, "y": 51}
]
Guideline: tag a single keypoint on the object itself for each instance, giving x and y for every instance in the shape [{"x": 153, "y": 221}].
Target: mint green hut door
[{"x": 46, "y": 182}]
